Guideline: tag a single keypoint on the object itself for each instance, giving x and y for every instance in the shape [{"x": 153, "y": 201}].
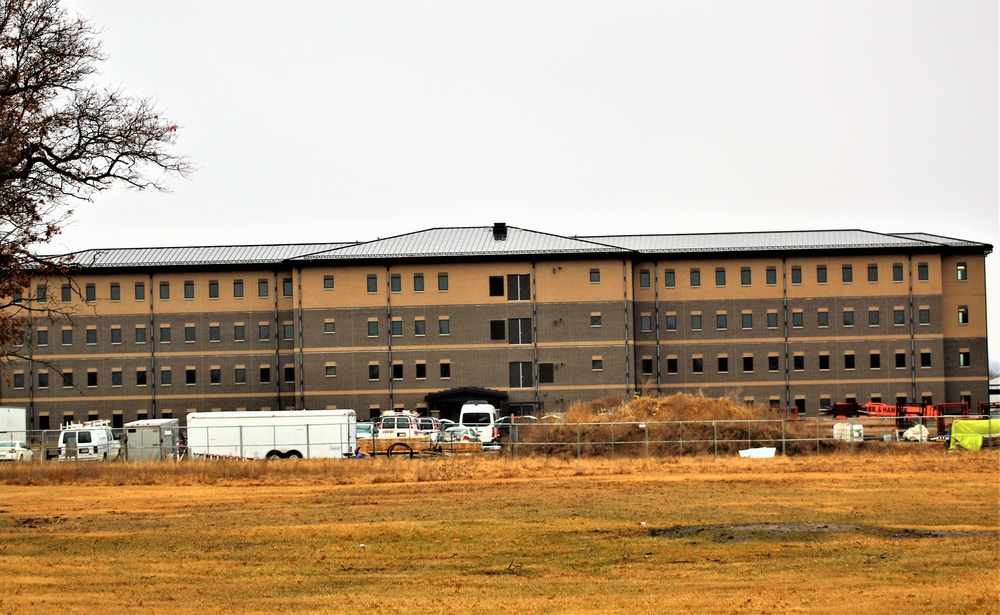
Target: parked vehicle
[
  {"x": 461, "y": 434},
  {"x": 398, "y": 424},
  {"x": 396, "y": 433},
  {"x": 86, "y": 441},
  {"x": 365, "y": 429},
  {"x": 15, "y": 451},
  {"x": 483, "y": 417},
  {"x": 281, "y": 434},
  {"x": 13, "y": 424},
  {"x": 152, "y": 439},
  {"x": 430, "y": 426},
  {"x": 504, "y": 423}
]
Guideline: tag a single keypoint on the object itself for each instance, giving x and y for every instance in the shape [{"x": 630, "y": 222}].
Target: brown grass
[{"x": 864, "y": 533}]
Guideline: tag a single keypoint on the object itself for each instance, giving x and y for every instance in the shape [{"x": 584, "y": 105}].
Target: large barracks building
[{"x": 536, "y": 321}]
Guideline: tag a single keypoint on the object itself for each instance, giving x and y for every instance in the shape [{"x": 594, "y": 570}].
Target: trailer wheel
[
  {"x": 273, "y": 455},
  {"x": 398, "y": 450},
  {"x": 293, "y": 455}
]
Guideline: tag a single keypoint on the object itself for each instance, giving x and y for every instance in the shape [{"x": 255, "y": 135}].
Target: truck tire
[
  {"x": 293, "y": 455},
  {"x": 399, "y": 449},
  {"x": 273, "y": 455}
]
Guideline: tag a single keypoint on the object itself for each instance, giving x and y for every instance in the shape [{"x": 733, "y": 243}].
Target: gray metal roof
[
  {"x": 776, "y": 240},
  {"x": 939, "y": 239},
  {"x": 468, "y": 241},
  {"x": 206, "y": 255}
]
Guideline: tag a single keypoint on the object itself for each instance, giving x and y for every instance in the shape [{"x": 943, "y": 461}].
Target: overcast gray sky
[{"x": 337, "y": 121}]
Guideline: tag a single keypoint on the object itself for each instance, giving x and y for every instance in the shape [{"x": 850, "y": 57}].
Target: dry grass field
[{"x": 888, "y": 533}]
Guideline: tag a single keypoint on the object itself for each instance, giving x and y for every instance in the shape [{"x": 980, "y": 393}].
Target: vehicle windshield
[
  {"x": 476, "y": 418},
  {"x": 7, "y": 444}
]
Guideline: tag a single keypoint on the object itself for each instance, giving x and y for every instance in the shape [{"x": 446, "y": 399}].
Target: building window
[
  {"x": 720, "y": 276},
  {"x": 595, "y": 320},
  {"x": 238, "y": 289},
  {"x": 188, "y": 289},
  {"x": 925, "y": 358},
  {"x": 213, "y": 289},
  {"x": 164, "y": 290},
  {"x": 695, "y": 278},
  {"x": 773, "y": 363},
  {"x": 873, "y": 273},
  {"x": 444, "y": 326},
  {"x": 924, "y": 314},
  {"x": 823, "y": 318},
  {"x": 140, "y": 291},
  {"x": 215, "y": 375},
  {"x": 796, "y": 274},
  {"x": 771, "y": 276},
  {"x": 873, "y": 317},
  {"x": 721, "y": 321},
  {"x": 372, "y": 328},
  {"x": 875, "y": 360},
  {"x": 263, "y": 332},
  {"x": 520, "y": 374},
  {"x": 330, "y": 326},
  {"x": 418, "y": 282},
  {"x": 140, "y": 377},
  {"x": 798, "y": 362},
  {"x": 397, "y": 371},
  {"x": 646, "y": 366},
  {"x": 697, "y": 365},
  {"x": 67, "y": 379},
  {"x": 747, "y": 320},
  {"x": 546, "y": 373},
  {"x": 498, "y": 330},
  {"x": 519, "y": 287},
  {"x": 772, "y": 320},
  {"x": 696, "y": 322},
  {"x": 442, "y": 281},
  {"x": 19, "y": 380},
  {"x": 748, "y": 363},
  {"x": 116, "y": 291},
  {"x": 897, "y": 272},
  {"x": 43, "y": 337},
  {"x": 420, "y": 371},
  {"x": 189, "y": 333},
  {"x": 286, "y": 287},
  {"x": 849, "y": 360},
  {"x": 444, "y": 370},
  {"x": 190, "y": 376},
  {"x": 962, "y": 272},
  {"x": 849, "y": 318},
  {"x": 645, "y": 322},
  {"x": 898, "y": 316},
  {"x": 964, "y": 358},
  {"x": 265, "y": 374},
  {"x": 519, "y": 330},
  {"x": 595, "y": 276},
  {"x": 923, "y": 272},
  {"x": 745, "y": 276},
  {"x": 140, "y": 334},
  {"x": 963, "y": 314},
  {"x": 43, "y": 380},
  {"x": 420, "y": 327},
  {"x": 330, "y": 370},
  {"x": 723, "y": 364},
  {"x": 239, "y": 333},
  {"x": 798, "y": 319},
  {"x": 240, "y": 375},
  {"x": 41, "y": 293},
  {"x": 90, "y": 292},
  {"x": 66, "y": 293},
  {"x": 671, "y": 322},
  {"x": 166, "y": 377},
  {"x": 644, "y": 278},
  {"x": 91, "y": 336},
  {"x": 669, "y": 278},
  {"x": 824, "y": 362},
  {"x": 847, "y": 274},
  {"x": 496, "y": 286},
  {"x": 596, "y": 364},
  {"x": 396, "y": 327},
  {"x": 328, "y": 282},
  {"x": 262, "y": 288},
  {"x": 165, "y": 334},
  {"x": 67, "y": 337},
  {"x": 116, "y": 335},
  {"x": 289, "y": 373},
  {"x": 213, "y": 333},
  {"x": 821, "y": 274},
  {"x": 900, "y": 360},
  {"x": 671, "y": 365},
  {"x": 288, "y": 331},
  {"x": 395, "y": 283}
]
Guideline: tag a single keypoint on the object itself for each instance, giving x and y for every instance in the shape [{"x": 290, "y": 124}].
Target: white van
[
  {"x": 88, "y": 441},
  {"x": 481, "y": 416}
]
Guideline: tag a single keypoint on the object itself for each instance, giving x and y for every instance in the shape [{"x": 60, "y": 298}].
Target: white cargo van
[
  {"x": 88, "y": 441},
  {"x": 280, "y": 434},
  {"x": 481, "y": 416}
]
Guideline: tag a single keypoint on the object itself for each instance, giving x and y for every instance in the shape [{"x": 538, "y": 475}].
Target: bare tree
[{"x": 62, "y": 138}]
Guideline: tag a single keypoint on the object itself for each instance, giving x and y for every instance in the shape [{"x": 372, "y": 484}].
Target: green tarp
[{"x": 969, "y": 434}]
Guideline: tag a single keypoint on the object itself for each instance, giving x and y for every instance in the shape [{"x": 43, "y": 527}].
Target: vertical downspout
[
  {"x": 151, "y": 337},
  {"x": 913, "y": 340},
  {"x": 388, "y": 330},
  {"x": 534, "y": 329},
  {"x": 628, "y": 350},
  {"x": 656, "y": 315},
  {"x": 31, "y": 369},
  {"x": 784, "y": 317},
  {"x": 300, "y": 371},
  {"x": 277, "y": 344}
]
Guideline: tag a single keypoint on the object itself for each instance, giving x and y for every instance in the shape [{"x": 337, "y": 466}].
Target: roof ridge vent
[{"x": 500, "y": 231}]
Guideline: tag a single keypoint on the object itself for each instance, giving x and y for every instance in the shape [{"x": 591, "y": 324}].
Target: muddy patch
[{"x": 770, "y": 531}]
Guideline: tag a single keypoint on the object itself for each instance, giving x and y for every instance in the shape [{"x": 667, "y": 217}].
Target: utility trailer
[
  {"x": 13, "y": 424},
  {"x": 152, "y": 439},
  {"x": 282, "y": 434}
]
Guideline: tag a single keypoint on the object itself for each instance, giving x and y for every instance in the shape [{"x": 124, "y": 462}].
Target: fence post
[
  {"x": 783, "y": 437},
  {"x": 612, "y": 439},
  {"x": 817, "y": 435},
  {"x": 578, "y": 451},
  {"x": 715, "y": 438},
  {"x": 850, "y": 427},
  {"x": 680, "y": 437}
]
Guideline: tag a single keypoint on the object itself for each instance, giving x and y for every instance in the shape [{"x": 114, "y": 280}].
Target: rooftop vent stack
[{"x": 499, "y": 231}]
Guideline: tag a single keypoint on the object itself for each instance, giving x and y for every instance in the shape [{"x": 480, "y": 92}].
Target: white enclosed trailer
[
  {"x": 287, "y": 434},
  {"x": 151, "y": 439},
  {"x": 13, "y": 424}
]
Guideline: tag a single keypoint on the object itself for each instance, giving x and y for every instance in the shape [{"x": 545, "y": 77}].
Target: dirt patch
[{"x": 765, "y": 531}]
